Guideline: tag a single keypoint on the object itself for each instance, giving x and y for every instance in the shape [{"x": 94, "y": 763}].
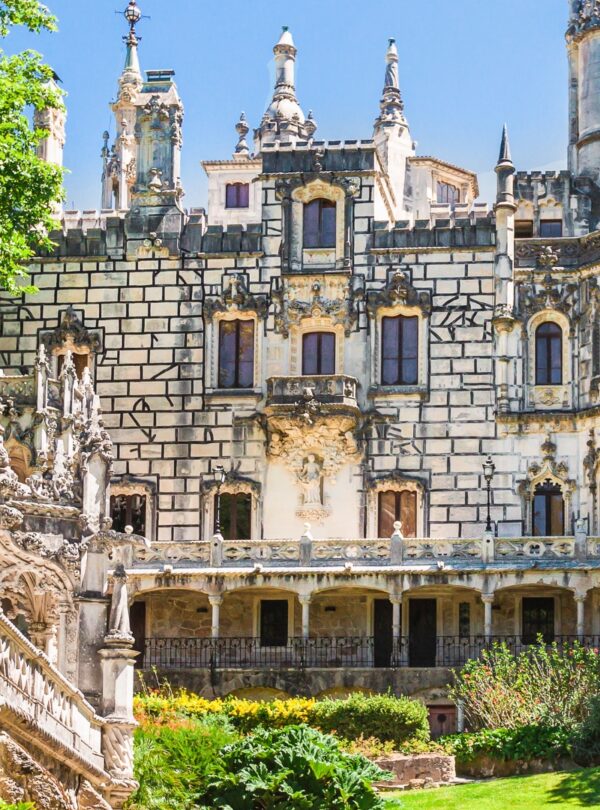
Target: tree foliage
[{"x": 29, "y": 187}]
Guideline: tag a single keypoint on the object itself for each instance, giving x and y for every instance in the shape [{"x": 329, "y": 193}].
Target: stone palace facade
[{"x": 265, "y": 426}]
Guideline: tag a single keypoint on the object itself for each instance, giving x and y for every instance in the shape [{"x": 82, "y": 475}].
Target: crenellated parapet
[{"x": 475, "y": 229}]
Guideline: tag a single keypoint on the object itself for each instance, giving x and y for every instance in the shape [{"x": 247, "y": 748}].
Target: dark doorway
[
  {"x": 538, "y": 619},
  {"x": 273, "y": 623},
  {"x": 383, "y": 633},
  {"x": 422, "y": 632},
  {"x": 137, "y": 621}
]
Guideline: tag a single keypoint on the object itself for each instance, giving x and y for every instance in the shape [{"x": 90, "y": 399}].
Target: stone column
[
  {"x": 216, "y": 600},
  {"x": 396, "y": 600},
  {"x": 488, "y": 601},
  {"x": 580, "y": 603},
  {"x": 304, "y": 600}
]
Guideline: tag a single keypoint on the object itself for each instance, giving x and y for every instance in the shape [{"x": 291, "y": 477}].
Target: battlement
[
  {"x": 107, "y": 233},
  {"x": 446, "y": 228},
  {"x": 319, "y": 156}
]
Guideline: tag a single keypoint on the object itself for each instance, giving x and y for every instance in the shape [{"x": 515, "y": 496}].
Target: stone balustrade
[
  {"x": 37, "y": 703},
  {"x": 331, "y": 388},
  {"x": 308, "y": 551}
]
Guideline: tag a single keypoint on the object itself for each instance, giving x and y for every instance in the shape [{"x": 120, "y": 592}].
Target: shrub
[
  {"x": 385, "y": 717},
  {"x": 586, "y": 737},
  {"x": 541, "y": 686},
  {"x": 292, "y": 767},
  {"x": 18, "y": 806},
  {"x": 523, "y": 744},
  {"x": 173, "y": 764}
]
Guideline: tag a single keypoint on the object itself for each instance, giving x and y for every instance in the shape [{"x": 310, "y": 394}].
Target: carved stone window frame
[
  {"x": 555, "y": 473},
  {"x": 314, "y": 324},
  {"x": 71, "y": 335},
  {"x": 394, "y": 482},
  {"x": 422, "y": 386},
  {"x": 232, "y": 486},
  {"x": 212, "y": 343},
  {"x": 317, "y": 189},
  {"x": 549, "y": 397},
  {"x": 134, "y": 486}
]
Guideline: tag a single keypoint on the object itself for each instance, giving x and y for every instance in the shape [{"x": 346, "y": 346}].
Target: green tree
[{"x": 29, "y": 187}]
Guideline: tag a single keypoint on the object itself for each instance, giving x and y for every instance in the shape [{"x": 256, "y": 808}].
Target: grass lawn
[{"x": 550, "y": 790}]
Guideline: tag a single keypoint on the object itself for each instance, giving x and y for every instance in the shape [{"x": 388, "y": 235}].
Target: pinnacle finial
[
  {"x": 391, "y": 104},
  {"x": 133, "y": 15},
  {"x": 242, "y": 130},
  {"x": 504, "y": 156}
]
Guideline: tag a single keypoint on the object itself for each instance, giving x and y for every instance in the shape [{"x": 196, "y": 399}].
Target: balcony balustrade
[
  {"x": 358, "y": 652},
  {"x": 337, "y": 389}
]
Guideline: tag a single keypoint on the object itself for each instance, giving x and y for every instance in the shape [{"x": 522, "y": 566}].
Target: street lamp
[
  {"x": 489, "y": 468},
  {"x": 220, "y": 476}
]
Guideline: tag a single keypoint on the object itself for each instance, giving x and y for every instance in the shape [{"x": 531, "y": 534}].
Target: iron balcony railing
[{"x": 340, "y": 651}]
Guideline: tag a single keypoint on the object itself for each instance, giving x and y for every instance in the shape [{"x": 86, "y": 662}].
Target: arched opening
[
  {"x": 319, "y": 223},
  {"x": 548, "y": 354}
]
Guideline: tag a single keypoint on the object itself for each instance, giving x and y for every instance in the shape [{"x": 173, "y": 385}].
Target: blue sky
[{"x": 466, "y": 66}]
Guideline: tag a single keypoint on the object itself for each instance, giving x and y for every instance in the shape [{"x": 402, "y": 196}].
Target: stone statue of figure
[
  {"x": 310, "y": 478},
  {"x": 119, "y": 607}
]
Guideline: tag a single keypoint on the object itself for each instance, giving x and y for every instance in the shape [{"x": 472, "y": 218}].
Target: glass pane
[
  {"x": 227, "y": 353},
  {"x": 230, "y": 196},
  {"x": 539, "y": 515},
  {"x": 243, "y": 195},
  {"x": 408, "y": 513},
  {"x": 556, "y": 360},
  {"x": 410, "y": 351},
  {"x": 387, "y": 513},
  {"x": 327, "y": 364},
  {"x": 390, "y": 343},
  {"x": 551, "y": 228},
  {"x": 557, "y": 515},
  {"x": 311, "y": 224},
  {"x": 243, "y": 514},
  {"x": 327, "y": 224},
  {"x": 310, "y": 353},
  {"x": 246, "y": 354}
]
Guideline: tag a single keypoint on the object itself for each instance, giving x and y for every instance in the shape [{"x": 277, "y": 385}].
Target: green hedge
[
  {"x": 385, "y": 717},
  {"x": 510, "y": 744}
]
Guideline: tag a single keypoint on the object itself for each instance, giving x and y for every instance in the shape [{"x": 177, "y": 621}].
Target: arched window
[
  {"x": 236, "y": 354},
  {"x": 237, "y": 195},
  {"x": 396, "y": 505},
  {"x": 319, "y": 224},
  {"x": 128, "y": 510},
  {"x": 548, "y": 354},
  {"x": 236, "y": 515},
  {"x": 318, "y": 353},
  {"x": 80, "y": 361},
  {"x": 400, "y": 351},
  {"x": 548, "y": 510}
]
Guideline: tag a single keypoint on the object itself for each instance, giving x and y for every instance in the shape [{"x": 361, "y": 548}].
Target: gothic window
[
  {"x": 237, "y": 195},
  {"x": 400, "y": 351},
  {"x": 236, "y": 515},
  {"x": 447, "y": 194},
  {"x": 318, "y": 353},
  {"x": 538, "y": 619},
  {"x": 551, "y": 228},
  {"x": 319, "y": 224},
  {"x": 128, "y": 510},
  {"x": 523, "y": 228},
  {"x": 548, "y": 510},
  {"x": 236, "y": 354},
  {"x": 548, "y": 354},
  {"x": 274, "y": 622},
  {"x": 396, "y": 505},
  {"x": 80, "y": 361}
]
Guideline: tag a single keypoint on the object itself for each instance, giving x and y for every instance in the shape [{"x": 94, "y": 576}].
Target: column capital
[
  {"x": 216, "y": 600},
  {"x": 580, "y": 597},
  {"x": 395, "y": 598},
  {"x": 305, "y": 598},
  {"x": 488, "y": 598}
]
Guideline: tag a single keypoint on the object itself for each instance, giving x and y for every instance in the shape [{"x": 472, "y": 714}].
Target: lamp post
[
  {"x": 489, "y": 469},
  {"x": 220, "y": 479}
]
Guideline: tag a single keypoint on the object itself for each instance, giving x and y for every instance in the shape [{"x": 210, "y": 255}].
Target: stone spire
[
  {"x": 131, "y": 75},
  {"x": 284, "y": 120},
  {"x": 241, "y": 150},
  {"x": 505, "y": 171},
  {"x": 391, "y": 104}
]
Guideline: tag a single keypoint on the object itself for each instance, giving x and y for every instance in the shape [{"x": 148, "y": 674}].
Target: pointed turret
[
  {"x": 284, "y": 120},
  {"x": 391, "y": 104},
  {"x": 392, "y": 135},
  {"x": 505, "y": 171}
]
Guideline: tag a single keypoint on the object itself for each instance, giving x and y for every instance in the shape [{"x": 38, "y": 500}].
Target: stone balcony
[
  {"x": 330, "y": 389},
  {"x": 308, "y": 552}
]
